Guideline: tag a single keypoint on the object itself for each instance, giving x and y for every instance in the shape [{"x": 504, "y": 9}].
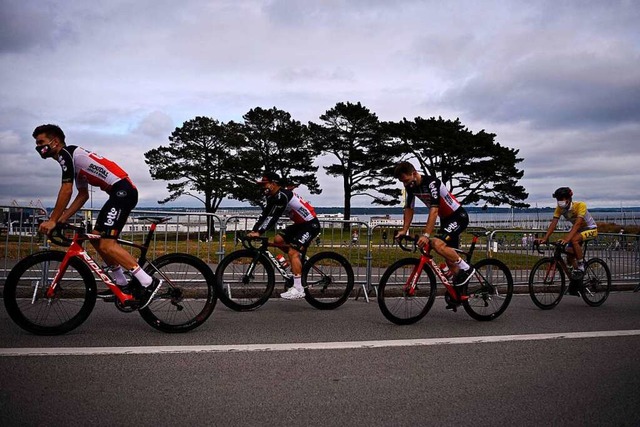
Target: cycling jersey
[
  {"x": 85, "y": 167},
  {"x": 575, "y": 211},
  {"x": 432, "y": 192},
  {"x": 285, "y": 202}
]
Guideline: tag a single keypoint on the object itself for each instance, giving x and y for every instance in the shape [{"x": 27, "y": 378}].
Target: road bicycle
[
  {"x": 407, "y": 288},
  {"x": 245, "y": 279},
  {"x": 53, "y": 292},
  {"x": 547, "y": 280}
]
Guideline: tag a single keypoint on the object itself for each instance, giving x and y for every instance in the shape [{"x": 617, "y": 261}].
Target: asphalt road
[{"x": 529, "y": 367}]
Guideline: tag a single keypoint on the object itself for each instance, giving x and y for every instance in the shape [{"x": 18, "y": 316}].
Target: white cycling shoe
[{"x": 292, "y": 294}]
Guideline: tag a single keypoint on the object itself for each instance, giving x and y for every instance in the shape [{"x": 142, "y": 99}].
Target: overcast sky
[{"x": 557, "y": 80}]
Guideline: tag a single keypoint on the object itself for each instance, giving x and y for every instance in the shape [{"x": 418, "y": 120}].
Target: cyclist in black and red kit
[
  {"x": 441, "y": 203},
  {"x": 86, "y": 168},
  {"x": 298, "y": 236}
]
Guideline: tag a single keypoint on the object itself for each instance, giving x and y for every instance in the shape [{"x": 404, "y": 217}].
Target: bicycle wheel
[
  {"x": 328, "y": 280},
  {"x": 596, "y": 282},
  {"x": 393, "y": 297},
  {"x": 25, "y": 294},
  {"x": 489, "y": 290},
  {"x": 187, "y": 296},
  {"x": 244, "y": 280},
  {"x": 546, "y": 283}
]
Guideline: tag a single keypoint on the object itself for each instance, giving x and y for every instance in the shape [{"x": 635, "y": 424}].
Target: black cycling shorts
[
  {"x": 123, "y": 197},
  {"x": 452, "y": 226},
  {"x": 300, "y": 236}
]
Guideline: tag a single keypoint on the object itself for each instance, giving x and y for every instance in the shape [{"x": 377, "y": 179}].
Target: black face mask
[{"x": 44, "y": 151}]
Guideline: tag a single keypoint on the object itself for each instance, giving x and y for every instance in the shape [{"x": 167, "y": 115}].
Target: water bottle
[
  {"x": 446, "y": 270},
  {"x": 282, "y": 261}
]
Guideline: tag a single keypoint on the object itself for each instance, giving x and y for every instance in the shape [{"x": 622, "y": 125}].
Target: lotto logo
[
  {"x": 451, "y": 227},
  {"x": 112, "y": 215}
]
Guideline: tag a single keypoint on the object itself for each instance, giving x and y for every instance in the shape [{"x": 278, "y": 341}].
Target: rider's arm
[
  {"x": 552, "y": 227},
  {"x": 577, "y": 226},
  {"x": 271, "y": 213},
  {"x": 78, "y": 202},
  {"x": 64, "y": 195},
  {"x": 407, "y": 215},
  {"x": 431, "y": 220}
]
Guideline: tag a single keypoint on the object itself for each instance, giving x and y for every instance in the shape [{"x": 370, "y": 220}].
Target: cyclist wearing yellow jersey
[{"x": 584, "y": 228}]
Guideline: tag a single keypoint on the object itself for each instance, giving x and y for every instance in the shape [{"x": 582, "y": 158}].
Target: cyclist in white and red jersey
[
  {"x": 84, "y": 167},
  {"x": 298, "y": 236},
  {"x": 584, "y": 228},
  {"x": 441, "y": 203}
]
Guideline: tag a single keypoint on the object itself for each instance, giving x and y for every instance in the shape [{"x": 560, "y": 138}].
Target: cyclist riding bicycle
[
  {"x": 84, "y": 167},
  {"x": 297, "y": 236},
  {"x": 441, "y": 203},
  {"x": 584, "y": 228}
]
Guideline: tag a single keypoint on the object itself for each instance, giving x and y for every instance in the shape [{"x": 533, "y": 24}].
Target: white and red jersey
[
  {"x": 285, "y": 202},
  {"x": 432, "y": 192},
  {"x": 85, "y": 167}
]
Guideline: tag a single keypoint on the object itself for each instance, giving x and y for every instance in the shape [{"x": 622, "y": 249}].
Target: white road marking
[{"x": 98, "y": 351}]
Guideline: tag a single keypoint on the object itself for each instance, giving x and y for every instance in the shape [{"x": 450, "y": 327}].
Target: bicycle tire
[
  {"x": 547, "y": 283},
  {"x": 328, "y": 280},
  {"x": 75, "y": 295},
  {"x": 489, "y": 290},
  {"x": 394, "y": 303},
  {"x": 596, "y": 283},
  {"x": 187, "y": 296},
  {"x": 235, "y": 289}
]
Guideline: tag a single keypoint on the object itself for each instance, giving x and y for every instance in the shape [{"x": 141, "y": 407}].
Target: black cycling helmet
[
  {"x": 562, "y": 193},
  {"x": 270, "y": 177}
]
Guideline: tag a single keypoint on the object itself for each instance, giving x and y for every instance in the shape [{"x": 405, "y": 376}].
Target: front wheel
[
  {"x": 26, "y": 287},
  {"x": 328, "y": 280},
  {"x": 596, "y": 282},
  {"x": 546, "y": 283},
  {"x": 489, "y": 290},
  {"x": 401, "y": 302},
  {"x": 244, "y": 280},
  {"x": 187, "y": 295}
]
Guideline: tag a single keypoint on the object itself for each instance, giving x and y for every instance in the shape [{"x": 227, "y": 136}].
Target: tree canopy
[
  {"x": 474, "y": 167},
  {"x": 353, "y": 136},
  {"x": 198, "y": 162},
  {"x": 274, "y": 142}
]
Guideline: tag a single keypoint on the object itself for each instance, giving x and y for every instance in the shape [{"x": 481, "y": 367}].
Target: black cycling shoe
[
  {"x": 463, "y": 276},
  {"x": 145, "y": 295},
  {"x": 451, "y": 303}
]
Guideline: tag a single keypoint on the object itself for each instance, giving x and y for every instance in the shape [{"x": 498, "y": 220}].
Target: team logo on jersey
[
  {"x": 121, "y": 193},
  {"x": 99, "y": 171},
  {"x": 63, "y": 164},
  {"x": 433, "y": 189}
]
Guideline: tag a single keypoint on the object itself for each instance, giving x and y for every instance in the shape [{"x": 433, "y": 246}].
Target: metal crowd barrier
[{"x": 370, "y": 250}]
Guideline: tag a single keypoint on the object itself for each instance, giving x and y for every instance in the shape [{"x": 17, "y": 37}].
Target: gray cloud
[{"x": 557, "y": 80}]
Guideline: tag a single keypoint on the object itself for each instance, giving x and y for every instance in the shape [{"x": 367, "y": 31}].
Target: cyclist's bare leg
[
  {"x": 294, "y": 255},
  {"x": 113, "y": 253},
  {"x": 574, "y": 253},
  {"x": 450, "y": 255}
]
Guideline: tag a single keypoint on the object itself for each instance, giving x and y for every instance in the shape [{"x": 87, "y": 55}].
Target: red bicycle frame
[{"x": 426, "y": 258}]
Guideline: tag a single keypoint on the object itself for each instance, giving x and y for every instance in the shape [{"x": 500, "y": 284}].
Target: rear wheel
[
  {"x": 489, "y": 290},
  {"x": 397, "y": 301},
  {"x": 328, "y": 280},
  {"x": 546, "y": 283},
  {"x": 26, "y": 287},
  {"x": 596, "y": 282},
  {"x": 244, "y": 280},
  {"x": 187, "y": 296}
]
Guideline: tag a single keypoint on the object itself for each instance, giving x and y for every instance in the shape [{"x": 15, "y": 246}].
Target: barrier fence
[{"x": 369, "y": 248}]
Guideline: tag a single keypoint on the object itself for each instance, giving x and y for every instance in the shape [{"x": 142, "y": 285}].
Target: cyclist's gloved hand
[{"x": 399, "y": 234}]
